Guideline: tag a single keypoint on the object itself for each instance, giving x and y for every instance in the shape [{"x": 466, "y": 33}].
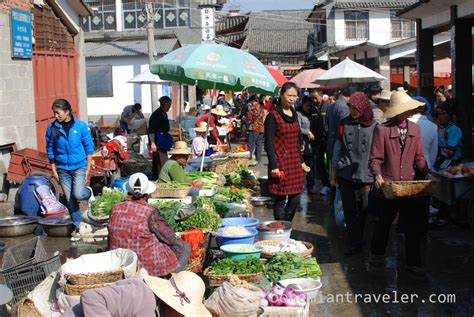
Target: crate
[
  {"x": 171, "y": 192},
  {"x": 24, "y": 253},
  {"x": 23, "y": 279}
]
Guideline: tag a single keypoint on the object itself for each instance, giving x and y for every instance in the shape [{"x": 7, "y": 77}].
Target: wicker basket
[
  {"x": 404, "y": 189},
  {"x": 234, "y": 163},
  {"x": 305, "y": 253},
  {"x": 95, "y": 278},
  {"x": 219, "y": 168},
  {"x": 71, "y": 289},
  {"x": 25, "y": 307},
  {"x": 171, "y": 192},
  {"x": 218, "y": 280}
]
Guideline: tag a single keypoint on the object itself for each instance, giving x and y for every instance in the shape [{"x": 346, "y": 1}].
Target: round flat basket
[
  {"x": 407, "y": 189},
  {"x": 95, "y": 278},
  {"x": 309, "y": 248}
]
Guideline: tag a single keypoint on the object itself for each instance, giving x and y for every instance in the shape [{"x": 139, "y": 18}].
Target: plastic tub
[
  {"x": 249, "y": 239},
  {"x": 241, "y": 221},
  {"x": 237, "y": 252}
]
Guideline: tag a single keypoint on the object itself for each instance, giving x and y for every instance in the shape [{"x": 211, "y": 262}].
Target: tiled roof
[
  {"x": 127, "y": 48},
  {"x": 231, "y": 22},
  {"x": 353, "y": 4},
  {"x": 278, "y": 32}
]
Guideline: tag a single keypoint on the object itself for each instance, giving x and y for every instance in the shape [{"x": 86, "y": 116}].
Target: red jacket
[{"x": 394, "y": 163}]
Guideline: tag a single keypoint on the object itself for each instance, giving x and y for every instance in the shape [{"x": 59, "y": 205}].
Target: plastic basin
[
  {"x": 241, "y": 221},
  {"x": 249, "y": 239},
  {"x": 238, "y": 252}
]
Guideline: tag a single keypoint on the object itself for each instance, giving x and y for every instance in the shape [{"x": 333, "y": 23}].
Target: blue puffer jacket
[{"x": 69, "y": 152}]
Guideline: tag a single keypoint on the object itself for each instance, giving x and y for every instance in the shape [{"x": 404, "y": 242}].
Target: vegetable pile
[
  {"x": 248, "y": 265},
  {"x": 171, "y": 185},
  {"x": 204, "y": 217},
  {"x": 242, "y": 178},
  {"x": 279, "y": 296},
  {"x": 285, "y": 265},
  {"x": 104, "y": 202},
  {"x": 208, "y": 178},
  {"x": 168, "y": 210},
  {"x": 227, "y": 195}
]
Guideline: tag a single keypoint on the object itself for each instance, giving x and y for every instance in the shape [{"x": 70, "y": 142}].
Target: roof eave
[{"x": 405, "y": 10}]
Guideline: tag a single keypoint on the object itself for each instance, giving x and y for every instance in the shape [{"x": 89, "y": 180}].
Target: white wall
[
  {"x": 379, "y": 28},
  {"x": 123, "y": 69}
]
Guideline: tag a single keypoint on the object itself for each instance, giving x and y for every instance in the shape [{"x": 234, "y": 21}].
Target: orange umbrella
[
  {"x": 278, "y": 76},
  {"x": 305, "y": 78}
]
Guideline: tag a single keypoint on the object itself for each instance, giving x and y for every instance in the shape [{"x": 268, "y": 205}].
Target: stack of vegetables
[
  {"x": 248, "y": 265},
  {"x": 242, "y": 178},
  {"x": 204, "y": 218},
  {"x": 210, "y": 179},
  {"x": 286, "y": 265},
  {"x": 103, "y": 203},
  {"x": 227, "y": 195},
  {"x": 168, "y": 209}
]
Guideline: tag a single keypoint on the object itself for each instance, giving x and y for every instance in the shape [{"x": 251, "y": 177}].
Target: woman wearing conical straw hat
[{"x": 397, "y": 155}]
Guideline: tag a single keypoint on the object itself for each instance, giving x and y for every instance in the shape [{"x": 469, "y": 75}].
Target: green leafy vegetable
[
  {"x": 230, "y": 195},
  {"x": 171, "y": 186},
  {"x": 248, "y": 265},
  {"x": 168, "y": 210},
  {"x": 205, "y": 217},
  {"x": 104, "y": 202},
  {"x": 285, "y": 265}
]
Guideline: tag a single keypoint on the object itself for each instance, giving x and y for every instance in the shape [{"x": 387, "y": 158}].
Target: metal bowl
[
  {"x": 15, "y": 226},
  {"x": 60, "y": 226},
  {"x": 274, "y": 225},
  {"x": 260, "y": 201}
]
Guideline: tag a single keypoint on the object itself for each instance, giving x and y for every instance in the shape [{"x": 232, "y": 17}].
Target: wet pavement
[{"x": 388, "y": 290}]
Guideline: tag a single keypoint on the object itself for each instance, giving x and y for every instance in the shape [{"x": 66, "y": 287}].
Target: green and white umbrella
[{"x": 214, "y": 66}]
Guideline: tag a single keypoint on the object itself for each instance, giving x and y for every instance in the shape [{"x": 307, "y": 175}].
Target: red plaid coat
[
  {"x": 288, "y": 157},
  {"x": 130, "y": 228}
]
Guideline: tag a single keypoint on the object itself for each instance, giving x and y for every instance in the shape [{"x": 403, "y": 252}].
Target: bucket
[
  {"x": 120, "y": 183},
  {"x": 28, "y": 202},
  {"x": 263, "y": 181}
]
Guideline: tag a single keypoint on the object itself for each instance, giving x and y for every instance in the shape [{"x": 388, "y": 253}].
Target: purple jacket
[{"x": 388, "y": 159}]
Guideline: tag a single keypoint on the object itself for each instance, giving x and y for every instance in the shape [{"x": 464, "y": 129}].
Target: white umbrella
[
  {"x": 348, "y": 72},
  {"x": 147, "y": 77}
]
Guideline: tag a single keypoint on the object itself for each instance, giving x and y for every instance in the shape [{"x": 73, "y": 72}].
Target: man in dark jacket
[{"x": 158, "y": 133}]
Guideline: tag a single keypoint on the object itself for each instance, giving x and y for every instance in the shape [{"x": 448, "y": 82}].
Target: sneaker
[
  {"x": 416, "y": 270},
  {"x": 92, "y": 197},
  {"x": 325, "y": 191}
]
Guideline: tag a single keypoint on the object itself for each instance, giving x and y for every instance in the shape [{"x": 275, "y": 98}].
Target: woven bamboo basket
[
  {"x": 171, "y": 192},
  {"x": 218, "y": 280},
  {"x": 71, "y": 289},
  {"x": 25, "y": 308},
  {"x": 219, "y": 168},
  {"x": 234, "y": 163},
  {"x": 305, "y": 253},
  {"x": 95, "y": 278},
  {"x": 405, "y": 189}
]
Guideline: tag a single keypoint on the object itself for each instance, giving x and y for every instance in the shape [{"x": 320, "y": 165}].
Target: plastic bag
[{"x": 339, "y": 210}]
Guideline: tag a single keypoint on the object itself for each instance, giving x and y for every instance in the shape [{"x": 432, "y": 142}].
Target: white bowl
[{"x": 309, "y": 286}]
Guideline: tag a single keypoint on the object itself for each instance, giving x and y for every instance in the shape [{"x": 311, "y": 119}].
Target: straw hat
[
  {"x": 180, "y": 147},
  {"x": 385, "y": 95},
  {"x": 202, "y": 127},
  {"x": 185, "y": 296},
  {"x": 139, "y": 182},
  {"x": 401, "y": 102},
  {"x": 219, "y": 111}
]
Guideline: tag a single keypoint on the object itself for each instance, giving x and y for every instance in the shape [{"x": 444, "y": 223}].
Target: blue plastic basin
[
  {"x": 241, "y": 221},
  {"x": 249, "y": 239}
]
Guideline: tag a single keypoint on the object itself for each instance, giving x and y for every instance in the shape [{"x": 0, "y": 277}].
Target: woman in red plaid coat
[
  {"x": 283, "y": 143},
  {"x": 137, "y": 226}
]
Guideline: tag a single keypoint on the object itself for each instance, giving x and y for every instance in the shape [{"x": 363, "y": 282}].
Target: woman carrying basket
[{"x": 397, "y": 155}]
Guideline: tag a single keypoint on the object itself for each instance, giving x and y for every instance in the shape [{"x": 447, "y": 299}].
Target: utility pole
[{"x": 150, "y": 14}]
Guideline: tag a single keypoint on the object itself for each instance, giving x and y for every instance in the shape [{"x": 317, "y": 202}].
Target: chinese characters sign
[
  {"x": 207, "y": 20},
  {"x": 21, "y": 34}
]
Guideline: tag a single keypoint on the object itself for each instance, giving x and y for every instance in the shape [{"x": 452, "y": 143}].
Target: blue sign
[{"x": 22, "y": 44}]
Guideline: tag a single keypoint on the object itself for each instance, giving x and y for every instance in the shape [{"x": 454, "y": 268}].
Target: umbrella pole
[
  {"x": 179, "y": 114},
  {"x": 207, "y": 128}
]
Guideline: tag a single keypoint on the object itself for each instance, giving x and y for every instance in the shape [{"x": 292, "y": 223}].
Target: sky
[{"x": 259, "y": 5}]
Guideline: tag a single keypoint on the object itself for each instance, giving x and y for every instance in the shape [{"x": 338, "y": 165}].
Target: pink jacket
[{"x": 388, "y": 159}]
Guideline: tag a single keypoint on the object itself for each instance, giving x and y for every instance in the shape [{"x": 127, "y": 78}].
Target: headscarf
[
  {"x": 361, "y": 103},
  {"x": 427, "y": 107}
]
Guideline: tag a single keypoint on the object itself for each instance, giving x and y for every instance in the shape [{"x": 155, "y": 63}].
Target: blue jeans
[
  {"x": 255, "y": 144},
  {"x": 74, "y": 188}
]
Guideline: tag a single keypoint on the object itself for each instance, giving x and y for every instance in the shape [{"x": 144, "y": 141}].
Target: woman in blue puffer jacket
[{"x": 70, "y": 147}]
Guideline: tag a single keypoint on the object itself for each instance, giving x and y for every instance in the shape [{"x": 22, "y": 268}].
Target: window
[
  {"x": 356, "y": 25},
  {"x": 104, "y": 18},
  {"x": 401, "y": 28},
  {"x": 99, "y": 81},
  {"x": 134, "y": 14}
]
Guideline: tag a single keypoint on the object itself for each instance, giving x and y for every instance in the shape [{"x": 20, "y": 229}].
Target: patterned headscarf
[{"x": 361, "y": 103}]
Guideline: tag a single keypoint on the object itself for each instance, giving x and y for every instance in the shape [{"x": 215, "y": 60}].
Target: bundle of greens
[
  {"x": 171, "y": 185},
  {"x": 205, "y": 217},
  {"x": 228, "y": 195},
  {"x": 221, "y": 209},
  {"x": 168, "y": 210},
  {"x": 209, "y": 178},
  {"x": 104, "y": 202},
  {"x": 248, "y": 265},
  {"x": 242, "y": 178},
  {"x": 285, "y": 265}
]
